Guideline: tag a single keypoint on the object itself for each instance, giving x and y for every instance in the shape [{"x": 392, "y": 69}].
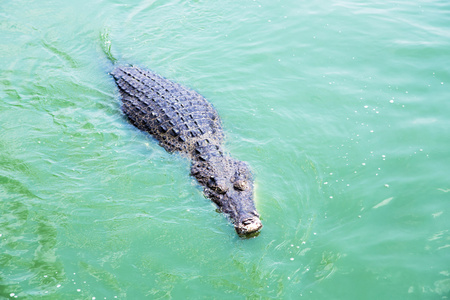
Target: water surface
[{"x": 340, "y": 107}]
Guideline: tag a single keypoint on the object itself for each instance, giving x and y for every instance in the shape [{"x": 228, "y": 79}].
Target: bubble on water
[
  {"x": 435, "y": 215},
  {"x": 391, "y": 101}
]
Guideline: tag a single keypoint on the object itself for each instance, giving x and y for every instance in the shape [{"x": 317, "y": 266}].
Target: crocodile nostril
[{"x": 247, "y": 222}]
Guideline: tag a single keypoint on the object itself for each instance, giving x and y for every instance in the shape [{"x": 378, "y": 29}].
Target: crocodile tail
[{"x": 105, "y": 43}]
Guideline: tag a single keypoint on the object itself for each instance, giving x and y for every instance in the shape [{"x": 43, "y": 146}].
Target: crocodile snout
[{"x": 248, "y": 226}]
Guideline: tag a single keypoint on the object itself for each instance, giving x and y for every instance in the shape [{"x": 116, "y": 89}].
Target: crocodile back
[{"x": 178, "y": 117}]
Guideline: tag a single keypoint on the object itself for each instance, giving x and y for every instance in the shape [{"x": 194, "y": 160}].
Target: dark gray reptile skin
[{"x": 184, "y": 121}]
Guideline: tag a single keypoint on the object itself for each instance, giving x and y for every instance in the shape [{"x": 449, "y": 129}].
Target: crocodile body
[{"x": 183, "y": 121}]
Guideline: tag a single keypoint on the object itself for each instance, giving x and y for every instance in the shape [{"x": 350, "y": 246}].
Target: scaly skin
[{"x": 184, "y": 121}]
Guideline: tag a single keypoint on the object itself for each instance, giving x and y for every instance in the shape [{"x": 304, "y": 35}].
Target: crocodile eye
[
  {"x": 241, "y": 185},
  {"x": 217, "y": 185},
  {"x": 221, "y": 189}
]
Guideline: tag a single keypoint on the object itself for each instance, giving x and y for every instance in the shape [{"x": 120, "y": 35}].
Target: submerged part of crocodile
[{"x": 184, "y": 121}]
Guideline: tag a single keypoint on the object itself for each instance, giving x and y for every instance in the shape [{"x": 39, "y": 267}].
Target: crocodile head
[{"x": 229, "y": 184}]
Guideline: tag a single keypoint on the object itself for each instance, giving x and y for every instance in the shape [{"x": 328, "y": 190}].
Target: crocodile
[{"x": 183, "y": 121}]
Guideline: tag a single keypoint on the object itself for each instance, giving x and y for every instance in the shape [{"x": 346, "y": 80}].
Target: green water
[{"x": 340, "y": 107}]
